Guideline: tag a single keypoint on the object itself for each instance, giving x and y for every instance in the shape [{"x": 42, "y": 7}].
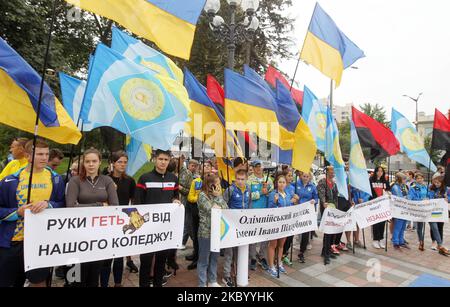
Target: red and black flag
[
  {"x": 374, "y": 135},
  {"x": 441, "y": 132},
  {"x": 272, "y": 75}
]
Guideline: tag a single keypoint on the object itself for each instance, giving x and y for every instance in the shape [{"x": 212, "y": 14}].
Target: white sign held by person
[
  {"x": 336, "y": 221},
  {"x": 431, "y": 210},
  {"x": 231, "y": 227},
  {"x": 372, "y": 212},
  {"x": 76, "y": 235}
]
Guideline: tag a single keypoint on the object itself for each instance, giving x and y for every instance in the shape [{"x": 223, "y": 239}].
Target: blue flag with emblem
[
  {"x": 134, "y": 99},
  {"x": 72, "y": 93},
  {"x": 139, "y": 52},
  {"x": 315, "y": 115},
  {"x": 410, "y": 142},
  {"x": 358, "y": 176},
  {"x": 138, "y": 154},
  {"x": 334, "y": 156}
]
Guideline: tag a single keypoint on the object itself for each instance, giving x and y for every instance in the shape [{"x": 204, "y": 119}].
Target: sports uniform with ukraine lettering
[{"x": 46, "y": 186}]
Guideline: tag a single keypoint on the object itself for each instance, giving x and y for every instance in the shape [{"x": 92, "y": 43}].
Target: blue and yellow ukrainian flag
[
  {"x": 170, "y": 24},
  {"x": 138, "y": 154},
  {"x": 410, "y": 141},
  {"x": 139, "y": 52},
  {"x": 278, "y": 155},
  {"x": 304, "y": 149},
  {"x": 315, "y": 115},
  {"x": 207, "y": 122},
  {"x": 135, "y": 100},
  {"x": 357, "y": 175},
  {"x": 334, "y": 156},
  {"x": 19, "y": 96},
  {"x": 327, "y": 48},
  {"x": 250, "y": 107},
  {"x": 72, "y": 93},
  {"x": 225, "y": 169}
]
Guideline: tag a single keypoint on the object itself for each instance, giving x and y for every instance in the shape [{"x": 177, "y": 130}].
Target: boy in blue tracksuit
[
  {"x": 307, "y": 192},
  {"x": 47, "y": 192},
  {"x": 237, "y": 196},
  {"x": 399, "y": 189},
  {"x": 260, "y": 186},
  {"x": 419, "y": 191}
]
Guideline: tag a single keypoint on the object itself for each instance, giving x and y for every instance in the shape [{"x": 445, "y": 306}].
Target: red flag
[
  {"x": 272, "y": 75},
  {"x": 441, "y": 131},
  {"x": 217, "y": 95},
  {"x": 374, "y": 135}
]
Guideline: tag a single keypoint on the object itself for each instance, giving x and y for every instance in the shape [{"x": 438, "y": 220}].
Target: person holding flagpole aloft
[
  {"x": 328, "y": 194},
  {"x": 379, "y": 185},
  {"x": 47, "y": 192}
]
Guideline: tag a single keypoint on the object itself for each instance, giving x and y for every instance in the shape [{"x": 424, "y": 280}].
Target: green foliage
[{"x": 376, "y": 111}]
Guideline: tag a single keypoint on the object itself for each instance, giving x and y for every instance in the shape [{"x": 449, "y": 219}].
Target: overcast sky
[{"x": 407, "y": 47}]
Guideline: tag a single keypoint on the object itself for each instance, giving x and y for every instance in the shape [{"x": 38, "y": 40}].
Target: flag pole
[
  {"x": 387, "y": 227},
  {"x": 41, "y": 89}
]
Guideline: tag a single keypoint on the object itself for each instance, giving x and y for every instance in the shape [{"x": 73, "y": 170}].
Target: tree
[
  {"x": 270, "y": 43},
  {"x": 376, "y": 111},
  {"x": 344, "y": 139},
  {"x": 24, "y": 25}
]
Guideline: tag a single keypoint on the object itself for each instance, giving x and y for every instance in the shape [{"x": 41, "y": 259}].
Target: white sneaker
[
  {"x": 182, "y": 247},
  {"x": 376, "y": 244},
  {"x": 434, "y": 246},
  {"x": 309, "y": 246},
  {"x": 214, "y": 285},
  {"x": 382, "y": 245}
]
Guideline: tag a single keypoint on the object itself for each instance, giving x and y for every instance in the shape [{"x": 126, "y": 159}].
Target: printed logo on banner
[
  {"x": 224, "y": 228},
  {"x": 136, "y": 220}
]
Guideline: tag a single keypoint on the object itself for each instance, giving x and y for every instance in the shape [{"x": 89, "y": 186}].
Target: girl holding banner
[
  {"x": 307, "y": 192},
  {"x": 399, "y": 189},
  {"x": 277, "y": 199},
  {"x": 125, "y": 186},
  {"x": 419, "y": 191},
  {"x": 438, "y": 190},
  {"x": 90, "y": 189},
  {"x": 380, "y": 185},
  {"x": 209, "y": 198}
]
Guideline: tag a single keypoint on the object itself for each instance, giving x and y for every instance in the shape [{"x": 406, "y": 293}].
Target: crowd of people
[{"x": 198, "y": 186}]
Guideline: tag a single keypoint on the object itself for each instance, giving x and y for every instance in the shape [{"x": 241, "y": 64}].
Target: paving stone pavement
[{"x": 396, "y": 268}]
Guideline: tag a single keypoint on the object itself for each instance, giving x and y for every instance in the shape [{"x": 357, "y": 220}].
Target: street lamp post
[
  {"x": 416, "y": 100},
  {"x": 233, "y": 33}
]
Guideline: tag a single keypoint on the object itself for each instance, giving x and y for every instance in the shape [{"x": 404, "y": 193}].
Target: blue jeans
[
  {"x": 434, "y": 231},
  {"x": 398, "y": 237},
  {"x": 207, "y": 263}
]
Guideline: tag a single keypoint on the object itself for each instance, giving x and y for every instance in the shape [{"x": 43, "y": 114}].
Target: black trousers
[
  {"x": 378, "y": 231},
  {"x": 327, "y": 242},
  {"x": 304, "y": 242},
  {"x": 117, "y": 264},
  {"x": 287, "y": 245},
  {"x": 195, "y": 225},
  {"x": 159, "y": 268},
  {"x": 440, "y": 226},
  {"x": 90, "y": 274},
  {"x": 12, "y": 272}
]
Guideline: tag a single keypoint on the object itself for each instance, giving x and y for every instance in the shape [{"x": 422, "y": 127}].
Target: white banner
[
  {"x": 372, "y": 212},
  {"x": 336, "y": 221},
  {"x": 76, "y": 235},
  {"x": 231, "y": 228},
  {"x": 432, "y": 210}
]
